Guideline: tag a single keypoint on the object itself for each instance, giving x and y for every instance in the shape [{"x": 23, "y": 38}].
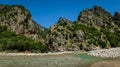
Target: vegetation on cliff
[
  {"x": 18, "y": 32},
  {"x": 12, "y": 42},
  {"x": 94, "y": 29}
]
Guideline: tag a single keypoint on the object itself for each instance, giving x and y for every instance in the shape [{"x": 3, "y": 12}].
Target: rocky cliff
[
  {"x": 94, "y": 29},
  {"x": 18, "y": 19}
]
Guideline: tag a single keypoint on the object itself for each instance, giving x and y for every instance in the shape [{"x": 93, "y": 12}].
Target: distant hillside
[{"x": 94, "y": 29}]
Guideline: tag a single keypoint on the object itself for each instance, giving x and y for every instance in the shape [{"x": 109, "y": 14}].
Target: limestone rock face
[
  {"x": 58, "y": 35},
  {"x": 18, "y": 19},
  {"x": 117, "y": 18},
  {"x": 95, "y": 16},
  {"x": 93, "y": 30}
]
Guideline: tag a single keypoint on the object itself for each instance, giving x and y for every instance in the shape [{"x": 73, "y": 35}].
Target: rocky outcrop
[
  {"x": 57, "y": 35},
  {"x": 18, "y": 19},
  {"x": 117, "y": 18},
  {"x": 93, "y": 30}
]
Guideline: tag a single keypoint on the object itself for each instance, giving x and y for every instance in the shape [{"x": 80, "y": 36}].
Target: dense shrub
[
  {"x": 11, "y": 41},
  {"x": 102, "y": 43},
  {"x": 87, "y": 30},
  {"x": 114, "y": 38}
]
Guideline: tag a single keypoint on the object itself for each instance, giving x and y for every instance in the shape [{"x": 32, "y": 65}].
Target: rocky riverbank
[
  {"x": 34, "y": 54},
  {"x": 106, "y": 53}
]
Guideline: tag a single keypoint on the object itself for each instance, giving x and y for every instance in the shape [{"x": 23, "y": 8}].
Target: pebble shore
[
  {"x": 34, "y": 54},
  {"x": 106, "y": 53}
]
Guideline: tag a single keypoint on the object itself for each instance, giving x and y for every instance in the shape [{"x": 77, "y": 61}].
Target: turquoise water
[
  {"x": 65, "y": 60},
  {"x": 85, "y": 56}
]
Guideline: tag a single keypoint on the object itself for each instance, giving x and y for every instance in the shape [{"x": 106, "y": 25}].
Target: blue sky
[{"x": 47, "y": 12}]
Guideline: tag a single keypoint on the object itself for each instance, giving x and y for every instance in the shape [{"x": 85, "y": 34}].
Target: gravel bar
[
  {"x": 106, "y": 53},
  {"x": 33, "y": 54}
]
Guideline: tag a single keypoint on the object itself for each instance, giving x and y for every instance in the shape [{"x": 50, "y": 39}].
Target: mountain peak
[
  {"x": 94, "y": 16},
  {"x": 18, "y": 19},
  {"x": 63, "y": 20},
  {"x": 99, "y": 10}
]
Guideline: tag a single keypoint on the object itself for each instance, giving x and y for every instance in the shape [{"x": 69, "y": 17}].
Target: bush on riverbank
[{"x": 10, "y": 41}]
